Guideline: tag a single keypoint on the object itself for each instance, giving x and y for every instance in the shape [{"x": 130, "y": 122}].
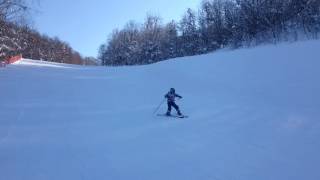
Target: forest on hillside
[
  {"x": 17, "y": 37},
  {"x": 216, "y": 24}
]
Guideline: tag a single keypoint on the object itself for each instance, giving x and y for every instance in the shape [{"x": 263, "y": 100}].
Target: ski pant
[{"x": 173, "y": 104}]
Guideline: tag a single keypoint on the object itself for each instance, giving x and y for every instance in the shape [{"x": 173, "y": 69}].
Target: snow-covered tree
[
  {"x": 212, "y": 24},
  {"x": 151, "y": 38},
  {"x": 190, "y": 37},
  {"x": 217, "y": 24},
  {"x": 169, "y": 41}
]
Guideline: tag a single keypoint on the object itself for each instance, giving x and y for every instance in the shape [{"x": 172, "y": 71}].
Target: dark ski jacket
[{"x": 171, "y": 96}]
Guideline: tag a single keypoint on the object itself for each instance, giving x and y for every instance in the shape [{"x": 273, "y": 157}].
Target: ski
[{"x": 173, "y": 116}]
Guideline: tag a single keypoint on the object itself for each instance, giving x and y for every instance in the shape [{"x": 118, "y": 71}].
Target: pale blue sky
[{"x": 86, "y": 24}]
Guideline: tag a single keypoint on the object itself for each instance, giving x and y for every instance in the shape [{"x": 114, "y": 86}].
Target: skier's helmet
[{"x": 172, "y": 90}]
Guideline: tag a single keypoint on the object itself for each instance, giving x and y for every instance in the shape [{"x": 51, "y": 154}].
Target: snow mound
[{"x": 38, "y": 63}]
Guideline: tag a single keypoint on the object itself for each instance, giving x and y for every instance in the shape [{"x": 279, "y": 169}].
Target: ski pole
[{"x": 159, "y": 106}]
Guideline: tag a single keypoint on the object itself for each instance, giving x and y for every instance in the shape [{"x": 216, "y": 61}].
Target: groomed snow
[{"x": 254, "y": 115}]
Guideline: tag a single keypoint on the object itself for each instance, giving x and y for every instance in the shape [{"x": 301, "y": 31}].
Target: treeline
[
  {"x": 217, "y": 24},
  {"x": 20, "y": 39}
]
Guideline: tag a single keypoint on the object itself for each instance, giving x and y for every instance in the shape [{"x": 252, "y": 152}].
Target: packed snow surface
[{"x": 254, "y": 114}]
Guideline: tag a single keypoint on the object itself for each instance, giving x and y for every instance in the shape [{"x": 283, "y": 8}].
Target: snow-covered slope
[{"x": 254, "y": 115}]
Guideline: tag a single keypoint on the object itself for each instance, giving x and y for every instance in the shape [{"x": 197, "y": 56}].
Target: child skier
[{"x": 171, "y": 95}]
